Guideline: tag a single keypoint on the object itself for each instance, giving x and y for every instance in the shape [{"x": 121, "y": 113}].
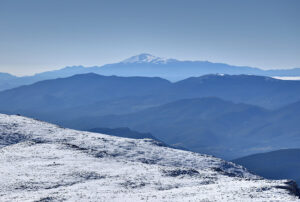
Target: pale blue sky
[{"x": 40, "y": 35}]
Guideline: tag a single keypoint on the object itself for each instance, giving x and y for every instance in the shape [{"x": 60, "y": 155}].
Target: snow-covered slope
[{"x": 43, "y": 162}]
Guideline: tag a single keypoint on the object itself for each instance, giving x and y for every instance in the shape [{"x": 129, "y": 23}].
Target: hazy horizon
[
  {"x": 38, "y": 36},
  {"x": 42, "y": 70}
]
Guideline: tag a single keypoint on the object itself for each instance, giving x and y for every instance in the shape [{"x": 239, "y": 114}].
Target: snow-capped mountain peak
[{"x": 146, "y": 58}]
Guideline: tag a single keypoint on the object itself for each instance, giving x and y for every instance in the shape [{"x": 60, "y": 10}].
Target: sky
[{"x": 42, "y": 35}]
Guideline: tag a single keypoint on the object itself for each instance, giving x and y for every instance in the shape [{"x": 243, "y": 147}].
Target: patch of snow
[
  {"x": 147, "y": 58},
  {"x": 287, "y": 77}
]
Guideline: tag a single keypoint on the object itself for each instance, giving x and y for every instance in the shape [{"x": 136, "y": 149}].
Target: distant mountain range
[
  {"x": 75, "y": 91},
  {"x": 257, "y": 90},
  {"x": 210, "y": 125},
  {"x": 92, "y": 94},
  {"x": 203, "y": 114},
  {"x": 149, "y": 66},
  {"x": 281, "y": 164}
]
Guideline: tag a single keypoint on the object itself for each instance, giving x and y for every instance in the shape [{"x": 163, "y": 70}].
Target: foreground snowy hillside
[{"x": 43, "y": 162}]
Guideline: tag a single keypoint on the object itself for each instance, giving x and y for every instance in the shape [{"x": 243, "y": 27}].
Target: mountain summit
[{"x": 147, "y": 58}]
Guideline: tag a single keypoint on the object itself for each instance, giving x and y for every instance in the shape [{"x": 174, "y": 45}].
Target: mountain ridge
[
  {"x": 149, "y": 66},
  {"x": 277, "y": 164},
  {"x": 209, "y": 125}
]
